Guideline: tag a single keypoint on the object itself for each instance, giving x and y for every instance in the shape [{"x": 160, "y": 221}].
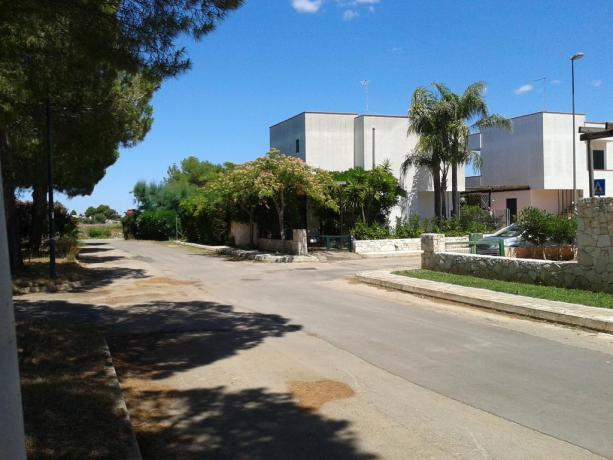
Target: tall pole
[
  {"x": 12, "y": 440},
  {"x": 574, "y": 58},
  {"x": 373, "y": 148},
  {"x": 572, "y": 63},
  {"x": 52, "y": 272}
]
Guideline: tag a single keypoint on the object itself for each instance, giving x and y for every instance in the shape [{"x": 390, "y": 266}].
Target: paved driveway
[{"x": 251, "y": 360}]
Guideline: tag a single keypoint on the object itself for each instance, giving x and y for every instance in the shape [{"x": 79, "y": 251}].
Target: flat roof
[{"x": 319, "y": 113}]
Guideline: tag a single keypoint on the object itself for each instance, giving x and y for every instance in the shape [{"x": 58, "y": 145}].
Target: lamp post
[{"x": 574, "y": 58}]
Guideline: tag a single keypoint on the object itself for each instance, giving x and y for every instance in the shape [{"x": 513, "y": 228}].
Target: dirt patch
[
  {"x": 163, "y": 281},
  {"x": 313, "y": 395}
]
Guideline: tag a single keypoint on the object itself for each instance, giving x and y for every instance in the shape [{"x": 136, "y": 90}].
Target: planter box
[{"x": 564, "y": 252}]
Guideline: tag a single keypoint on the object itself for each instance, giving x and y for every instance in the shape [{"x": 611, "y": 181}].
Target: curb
[
  {"x": 250, "y": 254},
  {"x": 598, "y": 319},
  {"x": 120, "y": 403}
]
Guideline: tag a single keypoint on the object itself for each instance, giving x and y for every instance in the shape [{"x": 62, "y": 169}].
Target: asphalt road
[{"x": 554, "y": 381}]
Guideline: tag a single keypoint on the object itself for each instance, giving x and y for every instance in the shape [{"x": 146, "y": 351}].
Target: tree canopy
[{"x": 96, "y": 65}]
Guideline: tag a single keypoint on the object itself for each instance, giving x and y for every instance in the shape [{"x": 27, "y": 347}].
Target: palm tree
[
  {"x": 465, "y": 112},
  {"x": 427, "y": 118}
]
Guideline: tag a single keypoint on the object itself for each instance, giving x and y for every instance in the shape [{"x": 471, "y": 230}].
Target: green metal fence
[{"x": 336, "y": 242}]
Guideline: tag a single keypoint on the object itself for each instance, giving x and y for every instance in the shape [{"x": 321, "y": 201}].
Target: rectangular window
[
  {"x": 598, "y": 158},
  {"x": 297, "y": 145}
]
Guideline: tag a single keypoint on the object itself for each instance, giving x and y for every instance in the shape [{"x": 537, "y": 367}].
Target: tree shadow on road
[
  {"x": 252, "y": 424},
  {"x": 166, "y": 337}
]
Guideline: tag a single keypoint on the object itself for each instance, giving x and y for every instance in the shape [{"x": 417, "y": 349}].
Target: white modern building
[
  {"x": 532, "y": 165},
  {"x": 340, "y": 141}
]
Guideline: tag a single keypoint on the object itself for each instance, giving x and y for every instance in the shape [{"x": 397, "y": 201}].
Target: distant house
[
  {"x": 532, "y": 164},
  {"x": 339, "y": 141}
]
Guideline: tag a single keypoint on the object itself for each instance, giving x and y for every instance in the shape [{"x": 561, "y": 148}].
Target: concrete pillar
[
  {"x": 431, "y": 243},
  {"x": 12, "y": 441},
  {"x": 299, "y": 236}
]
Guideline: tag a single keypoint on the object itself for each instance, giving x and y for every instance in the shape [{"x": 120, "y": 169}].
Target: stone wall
[
  {"x": 296, "y": 246},
  {"x": 239, "y": 234},
  {"x": 399, "y": 245},
  {"x": 593, "y": 269}
]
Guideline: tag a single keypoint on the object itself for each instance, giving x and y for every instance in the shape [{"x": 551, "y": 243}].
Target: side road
[
  {"x": 598, "y": 319},
  {"x": 235, "y": 359}
]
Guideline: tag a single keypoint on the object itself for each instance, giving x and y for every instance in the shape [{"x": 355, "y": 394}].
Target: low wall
[
  {"x": 296, "y": 246},
  {"x": 240, "y": 234},
  {"x": 593, "y": 269},
  {"x": 399, "y": 245}
]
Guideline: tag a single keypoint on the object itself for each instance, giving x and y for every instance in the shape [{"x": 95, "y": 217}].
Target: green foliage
[
  {"x": 161, "y": 196},
  {"x": 204, "y": 218},
  {"x": 97, "y": 64},
  {"x": 156, "y": 225},
  {"x": 281, "y": 178},
  {"x": 540, "y": 227},
  {"x": 375, "y": 231},
  {"x": 363, "y": 196},
  {"x": 100, "y": 213},
  {"x": 563, "y": 229},
  {"x": 99, "y": 232},
  {"x": 410, "y": 228},
  {"x": 67, "y": 246},
  {"x": 195, "y": 172}
]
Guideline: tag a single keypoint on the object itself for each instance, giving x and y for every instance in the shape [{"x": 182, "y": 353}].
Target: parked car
[{"x": 490, "y": 245}]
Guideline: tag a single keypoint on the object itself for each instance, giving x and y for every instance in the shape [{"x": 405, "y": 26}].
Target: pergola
[{"x": 588, "y": 135}]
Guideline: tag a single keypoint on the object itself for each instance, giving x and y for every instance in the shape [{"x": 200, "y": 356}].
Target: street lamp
[{"x": 574, "y": 58}]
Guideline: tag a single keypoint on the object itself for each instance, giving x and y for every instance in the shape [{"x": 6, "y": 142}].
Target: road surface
[{"x": 431, "y": 379}]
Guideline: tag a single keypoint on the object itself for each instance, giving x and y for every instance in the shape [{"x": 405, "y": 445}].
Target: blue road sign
[{"x": 599, "y": 187}]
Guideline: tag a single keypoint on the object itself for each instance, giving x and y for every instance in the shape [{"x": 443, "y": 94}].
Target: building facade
[
  {"x": 340, "y": 141},
  {"x": 532, "y": 165}
]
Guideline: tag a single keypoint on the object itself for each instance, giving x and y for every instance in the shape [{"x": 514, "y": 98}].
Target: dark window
[
  {"x": 598, "y": 156},
  {"x": 297, "y": 145}
]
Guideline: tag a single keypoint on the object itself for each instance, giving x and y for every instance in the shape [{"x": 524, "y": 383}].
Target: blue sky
[{"x": 272, "y": 59}]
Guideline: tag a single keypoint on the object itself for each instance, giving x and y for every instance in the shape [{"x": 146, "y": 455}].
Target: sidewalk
[{"x": 599, "y": 319}]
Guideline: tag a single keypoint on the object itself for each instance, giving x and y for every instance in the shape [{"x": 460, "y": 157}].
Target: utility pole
[
  {"x": 52, "y": 272},
  {"x": 12, "y": 440},
  {"x": 365, "y": 84}
]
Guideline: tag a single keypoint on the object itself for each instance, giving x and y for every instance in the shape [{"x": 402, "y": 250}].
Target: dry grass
[
  {"x": 70, "y": 407},
  {"x": 313, "y": 395}
]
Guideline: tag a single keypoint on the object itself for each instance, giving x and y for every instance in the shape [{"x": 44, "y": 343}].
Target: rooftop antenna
[
  {"x": 365, "y": 84},
  {"x": 544, "y": 80}
]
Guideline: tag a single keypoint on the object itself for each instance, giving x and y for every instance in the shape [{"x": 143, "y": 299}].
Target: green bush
[
  {"x": 204, "y": 218},
  {"x": 410, "y": 228},
  {"x": 128, "y": 225},
  {"x": 563, "y": 230},
  {"x": 99, "y": 232},
  {"x": 540, "y": 227},
  {"x": 156, "y": 225},
  {"x": 362, "y": 231},
  {"x": 67, "y": 246}
]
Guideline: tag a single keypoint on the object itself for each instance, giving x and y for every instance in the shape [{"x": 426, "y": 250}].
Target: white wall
[
  {"x": 283, "y": 136},
  {"x": 330, "y": 140},
  {"x": 514, "y": 157},
  {"x": 558, "y": 152}
]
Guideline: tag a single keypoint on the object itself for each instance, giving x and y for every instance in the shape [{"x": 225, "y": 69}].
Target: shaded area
[
  {"x": 167, "y": 337},
  {"x": 93, "y": 250},
  {"x": 69, "y": 397},
  {"x": 218, "y": 423},
  {"x": 99, "y": 259}
]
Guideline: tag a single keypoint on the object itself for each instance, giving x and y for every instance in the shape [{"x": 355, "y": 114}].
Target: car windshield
[{"x": 509, "y": 232}]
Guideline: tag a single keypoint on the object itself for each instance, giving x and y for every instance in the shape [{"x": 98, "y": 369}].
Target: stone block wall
[
  {"x": 399, "y": 245},
  {"x": 593, "y": 269},
  {"x": 296, "y": 246},
  {"x": 375, "y": 246}
]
